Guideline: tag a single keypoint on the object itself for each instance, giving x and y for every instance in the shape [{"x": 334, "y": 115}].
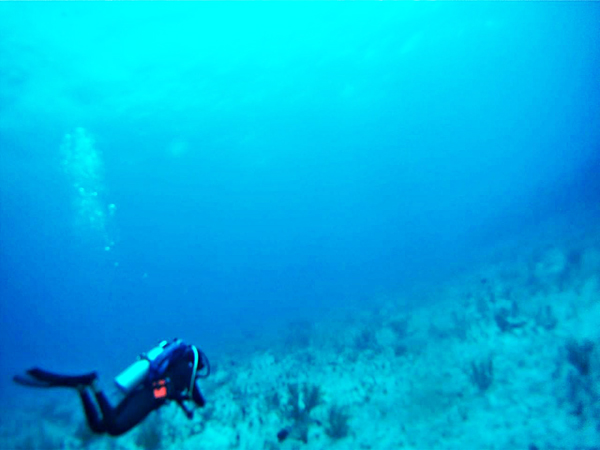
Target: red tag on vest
[{"x": 159, "y": 389}]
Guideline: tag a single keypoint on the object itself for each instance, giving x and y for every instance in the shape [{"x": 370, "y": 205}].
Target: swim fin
[{"x": 41, "y": 378}]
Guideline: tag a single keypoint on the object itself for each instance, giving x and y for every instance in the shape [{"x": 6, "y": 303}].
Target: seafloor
[{"x": 505, "y": 356}]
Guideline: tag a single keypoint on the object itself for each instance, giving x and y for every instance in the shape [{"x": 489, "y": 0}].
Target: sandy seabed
[{"x": 507, "y": 356}]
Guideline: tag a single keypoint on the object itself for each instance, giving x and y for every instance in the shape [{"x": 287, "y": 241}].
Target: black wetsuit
[
  {"x": 102, "y": 417},
  {"x": 169, "y": 377}
]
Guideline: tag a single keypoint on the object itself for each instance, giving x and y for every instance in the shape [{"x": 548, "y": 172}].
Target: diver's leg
[
  {"x": 132, "y": 410},
  {"x": 52, "y": 379},
  {"x": 37, "y": 377},
  {"x": 92, "y": 415}
]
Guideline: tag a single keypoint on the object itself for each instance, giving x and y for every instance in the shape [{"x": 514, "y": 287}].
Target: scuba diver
[{"x": 169, "y": 371}]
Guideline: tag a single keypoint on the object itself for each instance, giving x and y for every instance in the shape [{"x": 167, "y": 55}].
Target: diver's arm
[
  {"x": 187, "y": 411},
  {"x": 197, "y": 395}
]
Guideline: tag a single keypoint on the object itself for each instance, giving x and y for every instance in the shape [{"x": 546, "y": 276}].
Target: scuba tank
[
  {"x": 137, "y": 372},
  {"x": 151, "y": 366}
]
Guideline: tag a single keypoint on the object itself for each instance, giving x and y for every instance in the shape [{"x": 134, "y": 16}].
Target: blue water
[{"x": 245, "y": 165}]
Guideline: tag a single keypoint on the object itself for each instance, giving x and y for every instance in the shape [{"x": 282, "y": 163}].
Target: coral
[
  {"x": 401, "y": 327},
  {"x": 301, "y": 401},
  {"x": 545, "y": 318},
  {"x": 365, "y": 340},
  {"x": 85, "y": 435},
  {"x": 482, "y": 373},
  {"x": 505, "y": 322},
  {"x": 579, "y": 355},
  {"x": 43, "y": 437},
  {"x": 338, "y": 423},
  {"x": 150, "y": 434},
  {"x": 460, "y": 325},
  {"x": 400, "y": 349},
  {"x": 273, "y": 400},
  {"x": 582, "y": 393}
]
